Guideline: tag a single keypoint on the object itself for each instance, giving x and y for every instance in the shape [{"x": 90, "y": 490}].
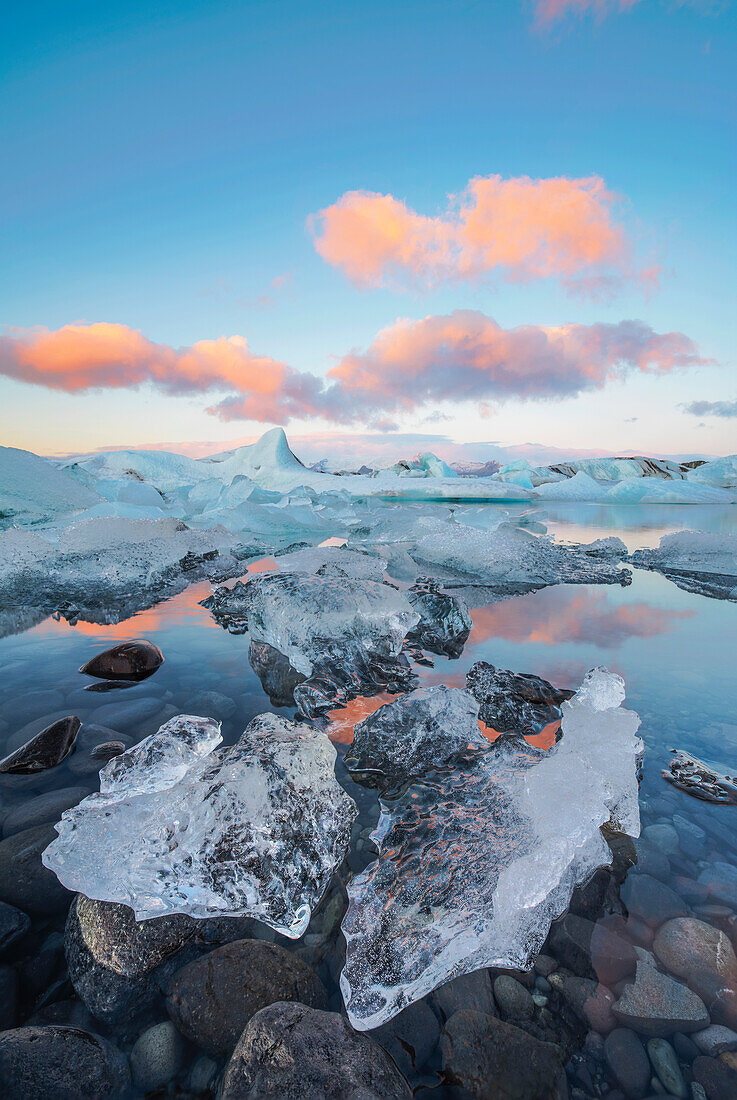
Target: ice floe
[
  {"x": 182, "y": 826},
  {"x": 478, "y": 857},
  {"x": 698, "y": 561}
]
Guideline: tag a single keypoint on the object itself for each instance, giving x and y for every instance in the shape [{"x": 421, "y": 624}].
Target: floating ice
[
  {"x": 699, "y": 779},
  {"x": 652, "y": 491},
  {"x": 508, "y": 558},
  {"x": 423, "y": 465},
  {"x": 352, "y": 563},
  {"x": 180, "y": 826},
  {"x": 428, "y": 728},
  {"x": 697, "y": 561},
  {"x": 477, "y": 858}
]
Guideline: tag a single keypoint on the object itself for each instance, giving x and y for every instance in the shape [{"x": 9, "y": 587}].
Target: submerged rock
[
  {"x": 213, "y": 998},
  {"x": 47, "y": 749},
  {"x": 292, "y": 1052},
  {"x": 428, "y": 728},
  {"x": 65, "y": 1063},
  {"x": 157, "y": 1056},
  {"x": 701, "y": 780},
  {"x": 126, "y": 661},
  {"x": 478, "y": 857},
  {"x": 13, "y": 924},
  {"x": 656, "y": 1004},
  {"x": 513, "y": 701},
  {"x": 24, "y": 881},
  {"x": 179, "y": 826},
  {"x": 489, "y": 1058},
  {"x": 703, "y": 956}
]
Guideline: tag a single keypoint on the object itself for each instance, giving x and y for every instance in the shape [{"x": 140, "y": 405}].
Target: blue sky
[{"x": 159, "y": 173}]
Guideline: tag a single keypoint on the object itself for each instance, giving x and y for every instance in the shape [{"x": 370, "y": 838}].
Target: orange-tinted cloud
[
  {"x": 521, "y": 228},
  {"x": 462, "y": 356},
  {"x": 468, "y": 356},
  {"x": 82, "y": 357},
  {"x": 547, "y": 11}
]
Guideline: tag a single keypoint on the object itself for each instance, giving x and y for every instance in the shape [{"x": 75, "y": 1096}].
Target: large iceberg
[
  {"x": 479, "y": 856},
  {"x": 698, "y": 561},
  {"x": 33, "y": 490},
  {"x": 721, "y": 472},
  {"x": 180, "y": 826}
]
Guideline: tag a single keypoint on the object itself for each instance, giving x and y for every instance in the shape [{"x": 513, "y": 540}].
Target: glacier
[
  {"x": 479, "y": 856},
  {"x": 182, "y": 826}
]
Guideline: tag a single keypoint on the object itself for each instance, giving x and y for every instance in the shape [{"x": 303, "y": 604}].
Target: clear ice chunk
[
  {"x": 181, "y": 826},
  {"x": 477, "y": 858},
  {"x": 697, "y": 561},
  {"x": 428, "y": 728}
]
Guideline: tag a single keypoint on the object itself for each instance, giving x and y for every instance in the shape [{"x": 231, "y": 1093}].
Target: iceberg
[
  {"x": 33, "y": 490},
  {"x": 163, "y": 470},
  {"x": 423, "y": 465},
  {"x": 652, "y": 491},
  {"x": 703, "y": 562},
  {"x": 182, "y": 826},
  {"x": 479, "y": 856},
  {"x": 508, "y": 559},
  {"x": 721, "y": 472}
]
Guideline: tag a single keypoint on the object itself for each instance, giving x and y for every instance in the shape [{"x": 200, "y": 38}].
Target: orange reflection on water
[
  {"x": 343, "y": 719},
  {"x": 545, "y": 739}
]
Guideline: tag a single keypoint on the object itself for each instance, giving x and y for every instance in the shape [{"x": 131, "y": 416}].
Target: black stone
[
  {"x": 126, "y": 661},
  {"x": 13, "y": 924},
  {"x": 24, "y": 881},
  {"x": 47, "y": 749},
  {"x": 63, "y": 1063}
]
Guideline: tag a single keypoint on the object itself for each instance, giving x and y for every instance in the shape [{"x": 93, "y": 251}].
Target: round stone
[{"x": 157, "y": 1056}]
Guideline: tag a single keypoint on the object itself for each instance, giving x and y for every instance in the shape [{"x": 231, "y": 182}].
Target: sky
[{"x": 462, "y": 221}]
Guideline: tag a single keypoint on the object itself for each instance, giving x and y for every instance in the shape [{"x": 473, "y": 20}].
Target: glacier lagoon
[{"x": 671, "y": 646}]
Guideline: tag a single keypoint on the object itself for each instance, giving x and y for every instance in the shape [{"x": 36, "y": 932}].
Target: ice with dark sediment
[
  {"x": 182, "y": 826},
  {"x": 478, "y": 856},
  {"x": 514, "y": 701},
  {"x": 703, "y": 562},
  {"x": 445, "y": 621},
  {"x": 699, "y": 779}
]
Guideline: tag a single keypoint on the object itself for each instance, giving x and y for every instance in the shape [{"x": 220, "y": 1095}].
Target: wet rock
[
  {"x": 651, "y": 861},
  {"x": 704, "y": 957},
  {"x": 212, "y": 999},
  {"x": 591, "y": 1001},
  {"x": 32, "y": 703},
  {"x": 684, "y": 1047},
  {"x": 125, "y": 714},
  {"x": 211, "y": 704},
  {"x": 656, "y": 1004},
  {"x": 719, "y": 881},
  {"x": 665, "y": 1063},
  {"x": 292, "y": 1052},
  {"x": 691, "y": 838},
  {"x": 585, "y": 948},
  {"x": 106, "y": 751},
  {"x": 492, "y": 1059},
  {"x": 157, "y": 1056},
  {"x": 717, "y": 1079},
  {"x": 715, "y": 1040},
  {"x": 628, "y": 1062},
  {"x": 650, "y": 900},
  {"x": 13, "y": 924},
  {"x": 410, "y": 1037},
  {"x": 24, "y": 881},
  {"x": 126, "y": 661},
  {"x": 514, "y": 701},
  {"x": 47, "y": 807},
  {"x": 472, "y": 990},
  {"x": 545, "y": 965},
  {"x": 47, "y": 749},
  {"x": 8, "y": 997},
  {"x": 115, "y": 962},
  {"x": 201, "y": 1077},
  {"x": 663, "y": 836},
  {"x": 65, "y": 1063},
  {"x": 513, "y": 999}
]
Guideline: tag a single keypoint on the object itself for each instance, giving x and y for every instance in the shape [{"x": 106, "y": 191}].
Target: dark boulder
[
  {"x": 65, "y": 1063},
  {"x": 47, "y": 749},
  {"x": 126, "y": 661},
  {"x": 292, "y": 1052},
  {"x": 24, "y": 881},
  {"x": 212, "y": 999}
]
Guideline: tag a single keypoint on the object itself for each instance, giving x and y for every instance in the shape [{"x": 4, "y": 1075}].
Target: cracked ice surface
[
  {"x": 479, "y": 857},
  {"x": 180, "y": 826}
]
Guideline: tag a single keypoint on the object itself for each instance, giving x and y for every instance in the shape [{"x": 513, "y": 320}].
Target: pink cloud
[
  {"x": 440, "y": 359},
  {"x": 548, "y": 11},
  {"x": 468, "y": 356},
  {"x": 78, "y": 358},
  {"x": 522, "y": 228}
]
